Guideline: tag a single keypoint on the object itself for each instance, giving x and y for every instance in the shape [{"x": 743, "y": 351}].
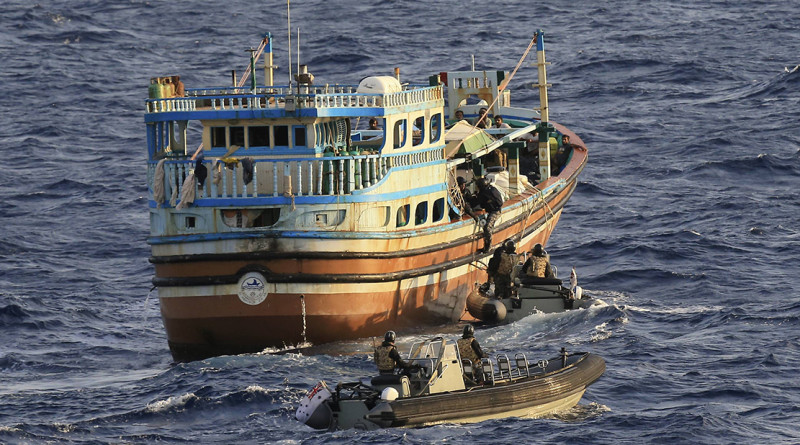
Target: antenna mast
[{"x": 289, "y": 29}]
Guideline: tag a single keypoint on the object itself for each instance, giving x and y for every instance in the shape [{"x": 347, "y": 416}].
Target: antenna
[
  {"x": 298, "y": 50},
  {"x": 289, "y": 28}
]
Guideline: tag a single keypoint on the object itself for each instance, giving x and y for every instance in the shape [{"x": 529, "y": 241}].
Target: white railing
[
  {"x": 274, "y": 97},
  {"x": 340, "y": 175}
]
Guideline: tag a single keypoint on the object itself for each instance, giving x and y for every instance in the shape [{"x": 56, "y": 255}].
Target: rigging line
[
  {"x": 257, "y": 55},
  {"x": 539, "y": 194},
  {"x": 501, "y": 88}
]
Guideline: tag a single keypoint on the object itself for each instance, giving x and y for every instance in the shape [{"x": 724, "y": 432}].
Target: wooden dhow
[{"x": 295, "y": 223}]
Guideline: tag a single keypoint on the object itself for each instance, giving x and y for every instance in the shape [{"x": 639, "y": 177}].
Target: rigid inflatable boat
[{"x": 444, "y": 388}]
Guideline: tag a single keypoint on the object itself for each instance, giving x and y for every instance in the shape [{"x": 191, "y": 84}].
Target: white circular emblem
[{"x": 252, "y": 288}]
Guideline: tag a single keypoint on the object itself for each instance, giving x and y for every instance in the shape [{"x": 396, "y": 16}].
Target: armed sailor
[
  {"x": 490, "y": 200},
  {"x": 470, "y": 349},
  {"x": 501, "y": 265},
  {"x": 538, "y": 265},
  {"x": 386, "y": 356}
]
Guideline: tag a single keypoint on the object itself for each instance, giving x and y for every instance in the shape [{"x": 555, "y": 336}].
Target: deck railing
[
  {"x": 339, "y": 96},
  {"x": 339, "y": 175}
]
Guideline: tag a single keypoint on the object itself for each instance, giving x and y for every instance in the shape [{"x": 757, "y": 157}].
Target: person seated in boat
[
  {"x": 498, "y": 122},
  {"x": 470, "y": 349},
  {"x": 459, "y": 115},
  {"x": 501, "y": 265},
  {"x": 491, "y": 200},
  {"x": 538, "y": 265},
  {"x": 483, "y": 120},
  {"x": 386, "y": 356},
  {"x": 373, "y": 124},
  {"x": 468, "y": 199},
  {"x": 562, "y": 155}
]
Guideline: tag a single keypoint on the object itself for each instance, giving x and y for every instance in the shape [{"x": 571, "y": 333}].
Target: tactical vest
[
  {"x": 507, "y": 261},
  {"x": 382, "y": 359},
  {"x": 466, "y": 351},
  {"x": 539, "y": 267}
]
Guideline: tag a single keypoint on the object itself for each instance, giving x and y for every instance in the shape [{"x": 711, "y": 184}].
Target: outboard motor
[
  {"x": 313, "y": 409},
  {"x": 485, "y": 309}
]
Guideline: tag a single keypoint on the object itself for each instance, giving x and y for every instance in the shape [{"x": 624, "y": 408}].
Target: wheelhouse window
[
  {"x": 418, "y": 134},
  {"x": 281, "y": 133},
  {"x": 218, "y": 137},
  {"x": 258, "y": 136},
  {"x": 237, "y": 136},
  {"x": 300, "y": 136},
  {"x": 436, "y": 127},
  {"x": 400, "y": 133}
]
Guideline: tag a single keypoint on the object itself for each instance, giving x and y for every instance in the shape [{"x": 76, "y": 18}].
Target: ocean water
[{"x": 684, "y": 223}]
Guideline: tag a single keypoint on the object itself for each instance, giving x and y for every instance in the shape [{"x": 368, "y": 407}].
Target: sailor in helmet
[
  {"x": 491, "y": 200},
  {"x": 469, "y": 349},
  {"x": 500, "y": 268},
  {"x": 538, "y": 265},
  {"x": 386, "y": 356}
]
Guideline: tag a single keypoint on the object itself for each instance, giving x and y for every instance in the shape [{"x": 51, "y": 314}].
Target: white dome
[{"x": 379, "y": 85}]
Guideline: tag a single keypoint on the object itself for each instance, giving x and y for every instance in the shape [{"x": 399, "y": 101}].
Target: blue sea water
[{"x": 684, "y": 223}]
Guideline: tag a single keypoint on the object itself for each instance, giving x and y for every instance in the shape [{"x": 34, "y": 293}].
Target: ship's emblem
[{"x": 253, "y": 288}]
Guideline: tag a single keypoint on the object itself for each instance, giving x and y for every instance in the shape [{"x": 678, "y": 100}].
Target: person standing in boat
[
  {"x": 500, "y": 268},
  {"x": 538, "y": 265},
  {"x": 386, "y": 356},
  {"x": 491, "y": 200},
  {"x": 469, "y": 348},
  {"x": 180, "y": 90}
]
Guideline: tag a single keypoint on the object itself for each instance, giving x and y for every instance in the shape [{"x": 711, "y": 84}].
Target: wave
[
  {"x": 782, "y": 84},
  {"x": 750, "y": 166}
]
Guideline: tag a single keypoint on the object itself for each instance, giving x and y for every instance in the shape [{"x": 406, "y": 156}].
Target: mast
[
  {"x": 268, "y": 66},
  {"x": 544, "y": 127}
]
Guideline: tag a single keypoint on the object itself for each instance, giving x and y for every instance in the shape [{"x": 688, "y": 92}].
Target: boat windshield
[{"x": 427, "y": 349}]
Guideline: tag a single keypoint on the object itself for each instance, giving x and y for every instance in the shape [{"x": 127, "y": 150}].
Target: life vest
[
  {"x": 506, "y": 265},
  {"x": 538, "y": 268},
  {"x": 383, "y": 360},
  {"x": 466, "y": 351}
]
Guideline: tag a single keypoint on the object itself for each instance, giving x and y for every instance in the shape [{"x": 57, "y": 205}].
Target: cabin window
[
  {"x": 436, "y": 127},
  {"x": 281, "y": 133},
  {"x": 438, "y": 210},
  {"x": 218, "y": 137},
  {"x": 237, "y": 136},
  {"x": 190, "y": 222},
  {"x": 421, "y": 213},
  {"x": 300, "y": 136},
  {"x": 418, "y": 134},
  {"x": 258, "y": 136},
  {"x": 399, "y": 133},
  {"x": 245, "y": 218},
  {"x": 402, "y": 215}
]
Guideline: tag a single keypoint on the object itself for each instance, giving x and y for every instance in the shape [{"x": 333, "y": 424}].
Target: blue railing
[{"x": 237, "y": 98}]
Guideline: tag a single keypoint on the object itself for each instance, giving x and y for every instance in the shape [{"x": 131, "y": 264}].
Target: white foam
[{"x": 170, "y": 403}]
